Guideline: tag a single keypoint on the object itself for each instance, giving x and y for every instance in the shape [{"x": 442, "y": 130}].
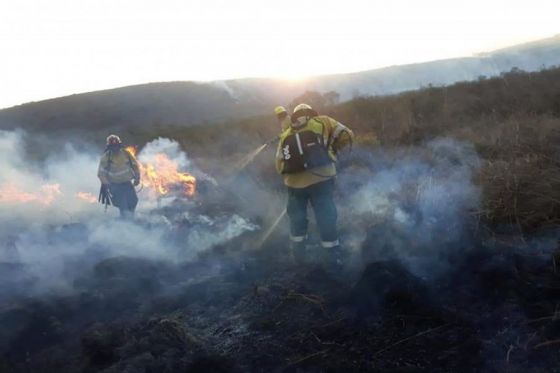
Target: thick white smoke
[
  {"x": 416, "y": 203},
  {"x": 56, "y": 233},
  {"x": 46, "y": 190},
  {"x": 168, "y": 147}
]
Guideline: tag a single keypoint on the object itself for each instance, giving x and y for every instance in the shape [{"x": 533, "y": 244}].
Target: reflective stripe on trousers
[
  {"x": 297, "y": 238},
  {"x": 330, "y": 244}
]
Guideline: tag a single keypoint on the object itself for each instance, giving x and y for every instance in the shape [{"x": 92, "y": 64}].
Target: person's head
[
  {"x": 281, "y": 113},
  {"x": 302, "y": 113},
  {"x": 113, "y": 142}
]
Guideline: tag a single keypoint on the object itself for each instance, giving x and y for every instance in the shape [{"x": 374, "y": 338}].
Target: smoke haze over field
[
  {"x": 419, "y": 199},
  {"x": 57, "y": 234},
  {"x": 87, "y": 282},
  {"x": 46, "y": 190}
]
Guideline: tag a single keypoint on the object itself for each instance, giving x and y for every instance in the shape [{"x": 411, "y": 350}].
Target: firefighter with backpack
[
  {"x": 119, "y": 174},
  {"x": 306, "y": 159}
]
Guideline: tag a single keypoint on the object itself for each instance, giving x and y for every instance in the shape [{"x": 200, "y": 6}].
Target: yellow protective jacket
[
  {"x": 285, "y": 123},
  {"x": 117, "y": 167},
  {"x": 335, "y": 134}
]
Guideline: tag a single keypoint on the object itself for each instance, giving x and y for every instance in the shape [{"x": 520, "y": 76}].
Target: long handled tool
[
  {"x": 262, "y": 239},
  {"x": 251, "y": 156},
  {"x": 238, "y": 169}
]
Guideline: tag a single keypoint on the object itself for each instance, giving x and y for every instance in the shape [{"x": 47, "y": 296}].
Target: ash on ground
[{"x": 227, "y": 310}]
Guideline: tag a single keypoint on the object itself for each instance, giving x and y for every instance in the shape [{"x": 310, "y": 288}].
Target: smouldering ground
[{"x": 232, "y": 310}]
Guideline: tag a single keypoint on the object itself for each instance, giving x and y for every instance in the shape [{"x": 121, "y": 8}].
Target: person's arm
[{"x": 341, "y": 136}]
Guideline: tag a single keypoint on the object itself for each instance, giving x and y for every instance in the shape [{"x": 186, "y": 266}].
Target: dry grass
[
  {"x": 514, "y": 123},
  {"x": 512, "y": 120}
]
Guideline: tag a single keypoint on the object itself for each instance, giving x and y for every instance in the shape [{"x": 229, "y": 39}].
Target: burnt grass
[
  {"x": 494, "y": 308},
  {"x": 238, "y": 311}
]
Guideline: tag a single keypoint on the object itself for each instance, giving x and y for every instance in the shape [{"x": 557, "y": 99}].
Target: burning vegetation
[
  {"x": 11, "y": 193},
  {"x": 87, "y": 197},
  {"x": 437, "y": 280},
  {"x": 161, "y": 176}
]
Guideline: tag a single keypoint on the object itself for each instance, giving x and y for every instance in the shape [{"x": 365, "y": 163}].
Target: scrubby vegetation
[
  {"x": 512, "y": 120},
  {"x": 414, "y": 298}
]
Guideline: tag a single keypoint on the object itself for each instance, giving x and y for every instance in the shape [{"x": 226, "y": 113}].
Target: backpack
[{"x": 305, "y": 149}]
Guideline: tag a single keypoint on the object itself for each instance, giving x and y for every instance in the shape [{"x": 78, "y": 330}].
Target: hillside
[
  {"x": 191, "y": 103},
  {"x": 449, "y": 205},
  {"x": 513, "y": 122}
]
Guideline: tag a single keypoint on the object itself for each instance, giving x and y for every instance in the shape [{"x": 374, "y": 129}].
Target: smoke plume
[
  {"x": 53, "y": 228},
  {"x": 414, "y": 202}
]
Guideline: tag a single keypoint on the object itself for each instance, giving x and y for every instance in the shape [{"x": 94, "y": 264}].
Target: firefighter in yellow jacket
[
  {"x": 283, "y": 117},
  {"x": 119, "y": 174},
  {"x": 306, "y": 158}
]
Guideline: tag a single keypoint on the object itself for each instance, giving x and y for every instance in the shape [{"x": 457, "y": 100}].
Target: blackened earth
[{"x": 238, "y": 311}]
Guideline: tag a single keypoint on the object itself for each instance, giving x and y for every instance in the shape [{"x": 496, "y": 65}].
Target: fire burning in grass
[
  {"x": 161, "y": 176},
  {"x": 87, "y": 197},
  {"x": 47, "y": 194},
  {"x": 12, "y": 193}
]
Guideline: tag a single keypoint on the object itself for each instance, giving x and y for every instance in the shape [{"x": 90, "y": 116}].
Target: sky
[{"x": 53, "y": 48}]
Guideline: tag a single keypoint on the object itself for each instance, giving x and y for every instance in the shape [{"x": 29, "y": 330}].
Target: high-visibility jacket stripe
[{"x": 119, "y": 173}]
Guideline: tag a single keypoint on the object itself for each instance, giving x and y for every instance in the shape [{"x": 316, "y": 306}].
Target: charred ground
[
  {"x": 231, "y": 310},
  {"x": 474, "y": 290}
]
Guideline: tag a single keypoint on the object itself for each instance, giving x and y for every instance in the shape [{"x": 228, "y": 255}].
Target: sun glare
[{"x": 59, "y": 48}]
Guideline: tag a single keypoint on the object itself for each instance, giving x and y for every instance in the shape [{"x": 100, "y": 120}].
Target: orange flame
[
  {"x": 87, "y": 197},
  {"x": 132, "y": 150},
  {"x": 162, "y": 175},
  {"x": 11, "y": 193}
]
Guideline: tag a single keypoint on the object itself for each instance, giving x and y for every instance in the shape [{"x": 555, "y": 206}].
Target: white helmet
[
  {"x": 113, "y": 140},
  {"x": 302, "y": 113}
]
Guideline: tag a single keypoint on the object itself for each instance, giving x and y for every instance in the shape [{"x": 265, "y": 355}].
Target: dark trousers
[
  {"x": 124, "y": 197},
  {"x": 321, "y": 197}
]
